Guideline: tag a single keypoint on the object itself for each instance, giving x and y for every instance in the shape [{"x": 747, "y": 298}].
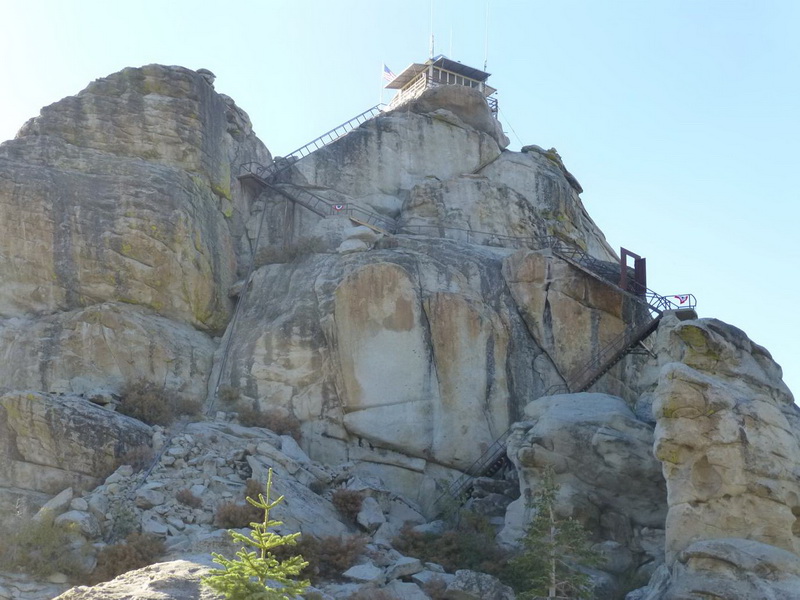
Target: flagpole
[{"x": 380, "y": 89}]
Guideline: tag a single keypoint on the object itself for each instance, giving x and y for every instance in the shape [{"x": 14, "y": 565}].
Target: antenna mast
[
  {"x": 431, "y": 49},
  {"x": 486, "y": 44}
]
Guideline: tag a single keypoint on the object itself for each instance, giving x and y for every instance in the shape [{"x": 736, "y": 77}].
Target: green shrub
[
  {"x": 137, "y": 551},
  {"x": 154, "y": 405},
  {"x": 124, "y": 520},
  {"x": 252, "y": 574},
  {"x": 348, "y": 502},
  {"x": 38, "y": 548}
]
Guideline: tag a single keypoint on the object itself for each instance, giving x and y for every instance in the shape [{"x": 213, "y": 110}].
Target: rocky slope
[{"x": 400, "y": 358}]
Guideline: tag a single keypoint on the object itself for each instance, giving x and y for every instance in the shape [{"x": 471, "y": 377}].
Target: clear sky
[{"x": 678, "y": 117}]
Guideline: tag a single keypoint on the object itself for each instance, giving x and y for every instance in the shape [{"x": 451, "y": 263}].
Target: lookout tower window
[{"x": 418, "y": 77}]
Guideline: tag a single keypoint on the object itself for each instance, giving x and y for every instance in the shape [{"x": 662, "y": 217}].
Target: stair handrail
[
  {"x": 606, "y": 357},
  {"x": 493, "y": 452},
  {"x": 333, "y": 208},
  {"x": 286, "y": 162}
]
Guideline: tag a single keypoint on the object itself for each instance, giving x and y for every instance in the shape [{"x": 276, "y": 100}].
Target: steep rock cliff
[{"x": 402, "y": 356}]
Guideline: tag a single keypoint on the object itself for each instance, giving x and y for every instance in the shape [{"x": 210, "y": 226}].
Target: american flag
[{"x": 387, "y": 73}]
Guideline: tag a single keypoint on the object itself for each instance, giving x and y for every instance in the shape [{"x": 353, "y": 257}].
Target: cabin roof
[{"x": 441, "y": 61}]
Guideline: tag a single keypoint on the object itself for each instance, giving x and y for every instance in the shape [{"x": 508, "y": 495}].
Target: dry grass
[
  {"x": 348, "y": 502},
  {"x": 271, "y": 419},
  {"x": 187, "y": 498},
  {"x": 137, "y": 551},
  {"x": 154, "y": 405},
  {"x": 269, "y": 255},
  {"x": 37, "y": 548},
  {"x": 328, "y": 557}
]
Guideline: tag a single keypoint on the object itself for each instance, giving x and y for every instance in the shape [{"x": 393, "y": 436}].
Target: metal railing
[
  {"x": 494, "y": 457},
  {"x": 490, "y": 457},
  {"x": 278, "y": 166},
  {"x": 426, "y": 82},
  {"x": 325, "y": 208}
]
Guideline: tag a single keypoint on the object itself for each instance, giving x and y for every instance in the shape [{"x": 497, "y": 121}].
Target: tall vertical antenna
[
  {"x": 431, "y": 49},
  {"x": 486, "y": 44}
]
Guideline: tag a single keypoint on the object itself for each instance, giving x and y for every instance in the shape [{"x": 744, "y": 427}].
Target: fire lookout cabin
[{"x": 440, "y": 70}]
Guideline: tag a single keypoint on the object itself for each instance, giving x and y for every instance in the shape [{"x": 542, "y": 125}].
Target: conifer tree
[
  {"x": 554, "y": 549},
  {"x": 253, "y": 574}
]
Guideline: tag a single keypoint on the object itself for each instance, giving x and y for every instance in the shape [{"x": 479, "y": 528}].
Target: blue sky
[{"x": 679, "y": 118}]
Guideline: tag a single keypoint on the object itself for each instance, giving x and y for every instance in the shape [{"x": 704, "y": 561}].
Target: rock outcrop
[
  {"x": 402, "y": 352},
  {"x": 728, "y": 440},
  {"x": 175, "y": 580},
  {"x": 126, "y": 193},
  {"x": 601, "y": 457},
  {"x": 51, "y": 442}
]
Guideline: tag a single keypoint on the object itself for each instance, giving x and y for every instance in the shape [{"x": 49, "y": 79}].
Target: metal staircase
[
  {"x": 495, "y": 457},
  {"x": 267, "y": 176},
  {"x": 278, "y": 166}
]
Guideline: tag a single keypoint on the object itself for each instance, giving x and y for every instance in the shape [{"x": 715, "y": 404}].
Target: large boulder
[
  {"x": 103, "y": 347},
  {"x": 50, "y": 442},
  {"x": 461, "y": 106},
  {"x": 730, "y": 568},
  {"x": 728, "y": 437},
  {"x": 602, "y": 461},
  {"x": 735, "y": 569},
  {"x": 387, "y": 357},
  {"x": 125, "y": 193},
  {"x": 175, "y": 580}
]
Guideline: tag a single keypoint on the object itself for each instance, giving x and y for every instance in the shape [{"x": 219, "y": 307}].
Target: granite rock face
[
  {"x": 411, "y": 358},
  {"x": 602, "y": 460},
  {"x": 727, "y": 437},
  {"x": 101, "y": 348},
  {"x": 53, "y": 442},
  {"x": 175, "y": 580},
  {"x": 126, "y": 193},
  {"x": 735, "y": 569}
]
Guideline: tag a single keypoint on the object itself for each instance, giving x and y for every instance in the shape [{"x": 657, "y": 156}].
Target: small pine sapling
[
  {"x": 554, "y": 549},
  {"x": 259, "y": 575}
]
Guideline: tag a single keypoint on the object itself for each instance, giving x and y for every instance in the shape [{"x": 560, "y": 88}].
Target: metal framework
[{"x": 278, "y": 166}]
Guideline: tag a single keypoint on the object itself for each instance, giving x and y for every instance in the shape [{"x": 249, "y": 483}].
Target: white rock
[
  {"x": 363, "y": 233},
  {"x": 79, "y": 504},
  {"x": 370, "y": 517},
  {"x": 292, "y": 449},
  {"x": 84, "y": 522},
  {"x": 471, "y": 585},
  {"x": 155, "y": 527},
  {"x": 54, "y": 507},
  {"x": 366, "y": 573},
  {"x": 424, "y": 577},
  {"x": 148, "y": 498},
  {"x": 405, "y": 591},
  {"x": 349, "y": 246},
  {"x": 404, "y": 567}
]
